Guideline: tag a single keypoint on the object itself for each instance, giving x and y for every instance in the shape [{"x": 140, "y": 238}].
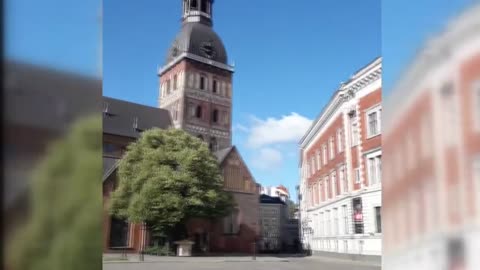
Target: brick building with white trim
[{"x": 340, "y": 167}]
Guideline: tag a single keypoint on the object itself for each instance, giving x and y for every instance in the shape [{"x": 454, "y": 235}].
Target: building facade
[
  {"x": 273, "y": 217},
  {"x": 195, "y": 86},
  {"x": 340, "y": 167},
  {"x": 432, "y": 140}
]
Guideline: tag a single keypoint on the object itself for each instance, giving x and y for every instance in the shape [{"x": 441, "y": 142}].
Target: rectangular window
[
  {"x": 327, "y": 188},
  {"x": 345, "y": 219},
  {"x": 342, "y": 179},
  {"x": 168, "y": 87},
  {"x": 358, "y": 215},
  {"x": 332, "y": 147},
  {"x": 319, "y": 162},
  {"x": 322, "y": 224},
  {"x": 175, "y": 82},
  {"x": 202, "y": 83},
  {"x": 476, "y": 176},
  {"x": 354, "y": 131},
  {"x": 214, "y": 86},
  {"x": 357, "y": 175},
  {"x": 340, "y": 140},
  {"x": 335, "y": 221},
  {"x": 328, "y": 224},
  {"x": 230, "y": 223},
  {"x": 313, "y": 165},
  {"x": 449, "y": 110},
  {"x": 309, "y": 168},
  {"x": 334, "y": 184},
  {"x": 375, "y": 169},
  {"x": 112, "y": 150},
  {"x": 378, "y": 219},
  {"x": 322, "y": 196},
  {"x": 476, "y": 105},
  {"x": 324, "y": 151},
  {"x": 373, "y": 120}
]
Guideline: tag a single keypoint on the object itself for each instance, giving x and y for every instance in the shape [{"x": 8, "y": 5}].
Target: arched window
[
  {"x": 203, "y": 6},
  {"x": 213, "y": 144},
  {"x": 200, "y": 137},
  {"x": 193, "y": 4},
  {"x": 202, "y": 83},
  {"x": 215, "y": 116},
  {"x": 214, "y": 86},
  {"x": 175, "y": 77},
  {"x": 198, "y": 111},
  {"x": 168, "y": 87}
]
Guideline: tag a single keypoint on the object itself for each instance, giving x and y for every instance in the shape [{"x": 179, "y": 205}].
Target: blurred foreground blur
[
  {"x": 431, "y": 141},
  {"x": 50, "y": 171}
]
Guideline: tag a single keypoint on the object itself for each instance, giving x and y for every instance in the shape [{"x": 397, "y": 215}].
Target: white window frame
[
  {"x": 327, "y": 183},
  {"x": 319, "y": 162},
  {"x": 320, "y": 190},
  {"x": 354, "y": 131},
  {"x": 374, "y": 158},
  {"x": 324, "y": 153},
  {"x": 476, "y": 105},
  {"x": 313, "y": 165},
  {"x": 343, "y": 179},
  {"x": 331, "y": 147},
  {"x": 357, "y": 176},
  {"x": 336, "y": 223},
  {"x": 333, "y": 178},
  {"x": 378, "y": 111},
  {"x": 339, "y": 140},
  {"x": 345, "y": 219},
  {"x": 377, "y": 220},
  {"x": 476, "y": 178}
]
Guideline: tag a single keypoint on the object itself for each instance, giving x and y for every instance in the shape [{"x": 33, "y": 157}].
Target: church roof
[
  {"x": 192, "y": 37},
  {"x": 129, "y": 119},
  {"x": 223, "y": 153}
]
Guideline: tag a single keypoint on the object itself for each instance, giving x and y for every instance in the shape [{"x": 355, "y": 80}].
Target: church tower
[{"x": 196, "y": 80}]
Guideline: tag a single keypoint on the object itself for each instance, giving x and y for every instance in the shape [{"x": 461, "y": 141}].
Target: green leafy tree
[
  {"x": 167, "y": 177},
  {"x": 64, "y": 230}
]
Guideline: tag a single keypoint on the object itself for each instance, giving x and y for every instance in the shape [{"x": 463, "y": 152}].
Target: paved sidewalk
[{"x": 135, "y": 258}]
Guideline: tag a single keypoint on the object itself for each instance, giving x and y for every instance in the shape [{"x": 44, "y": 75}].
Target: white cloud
[
  {"x": 287, "y": 129},
  {"x": 240, "y": 127},
  {"x": 267, "y": 159}
]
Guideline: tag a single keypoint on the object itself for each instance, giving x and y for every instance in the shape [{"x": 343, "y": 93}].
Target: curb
[
  {"x": 346, "y": 261},
  {"x": 193, "y": 261}
]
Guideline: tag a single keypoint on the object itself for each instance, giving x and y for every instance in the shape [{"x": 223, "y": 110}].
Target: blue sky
[
  {"x": 289, "y": 58},
  {"x": 56, "y": 33}
]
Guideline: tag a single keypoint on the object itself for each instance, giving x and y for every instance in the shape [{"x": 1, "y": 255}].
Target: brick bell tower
[{"x": 196, "y": 80}]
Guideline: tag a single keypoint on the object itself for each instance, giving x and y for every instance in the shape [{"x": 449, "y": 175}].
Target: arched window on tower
[
  {"x": 214, "y": 86},
  {"x": 213, "y": 144},
  {"x": 202, "y": 83},
  {"x": 198, "y": 111},
  {"x": 203, "y": 6},
  {"x": 215, "y": 116},
  {"x": 193, "y": 4}
]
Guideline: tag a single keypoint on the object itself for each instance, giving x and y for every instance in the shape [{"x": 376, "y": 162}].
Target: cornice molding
[
  {"x": 345, "y": 93},
  {"x": 196, "y": 58}
]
